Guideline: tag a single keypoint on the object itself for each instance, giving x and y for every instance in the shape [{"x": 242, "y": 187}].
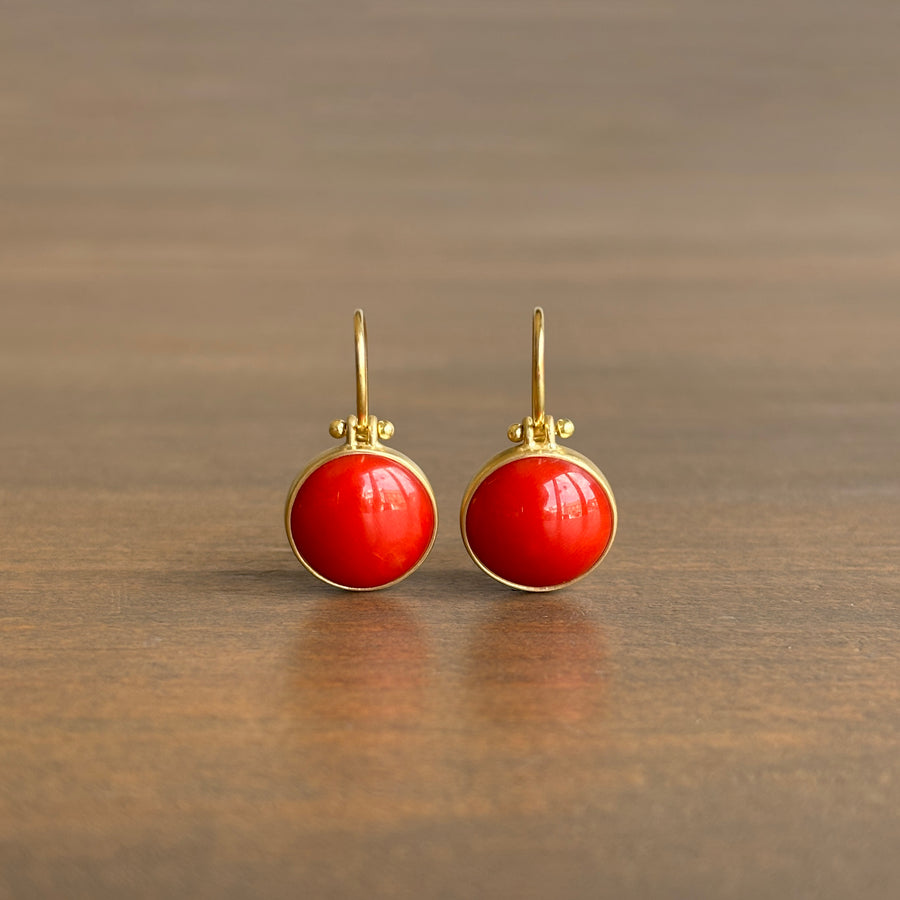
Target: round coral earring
[
  {"x": 537, "y": 516},
  {"x": 362, "y": 516}
]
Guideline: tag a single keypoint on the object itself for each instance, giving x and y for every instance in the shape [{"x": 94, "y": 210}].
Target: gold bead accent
[
  {"x": 338, "y": 428},
  {"x": 515, "y": 432},
  {"x": 565, "y": 428},
  {"x": 385, "y": 430}
]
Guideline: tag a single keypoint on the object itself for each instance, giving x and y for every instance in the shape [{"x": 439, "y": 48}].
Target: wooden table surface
[{"x": 194, "y": 197}]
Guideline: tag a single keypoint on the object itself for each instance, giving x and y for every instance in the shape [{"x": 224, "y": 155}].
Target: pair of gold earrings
[{"x": 536, "y": 517}]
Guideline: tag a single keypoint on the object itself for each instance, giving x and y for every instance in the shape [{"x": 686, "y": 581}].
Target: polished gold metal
[
  {"x": 361, "y": 430},
  {"x": 539, "y": 429},
  {"x": 362, "y": 434},
  {"x": 538, "y": 393},
  {"x": 536, "y": 436},
  {"x": 361, "y": 338}
]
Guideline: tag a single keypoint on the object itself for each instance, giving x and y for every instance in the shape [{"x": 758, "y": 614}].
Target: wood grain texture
[{"x": 703, "y": 198}]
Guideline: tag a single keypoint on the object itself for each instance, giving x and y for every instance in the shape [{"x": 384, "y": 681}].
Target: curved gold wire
[
  {"x": 362, "y": 367},
  {"x": 537, "y": 369}
]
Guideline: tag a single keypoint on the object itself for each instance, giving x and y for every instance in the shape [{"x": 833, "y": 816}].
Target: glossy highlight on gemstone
[
  {"x": 362, "y": 520},
  {"x": 539, "y": 522}
]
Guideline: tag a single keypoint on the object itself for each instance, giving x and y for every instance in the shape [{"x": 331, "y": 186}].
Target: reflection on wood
[
  {"x": 539, "y": 660},
  {"x": 195, "y": 196}
]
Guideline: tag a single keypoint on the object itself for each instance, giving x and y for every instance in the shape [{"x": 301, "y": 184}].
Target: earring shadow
[{"x": 447, "y": 584}]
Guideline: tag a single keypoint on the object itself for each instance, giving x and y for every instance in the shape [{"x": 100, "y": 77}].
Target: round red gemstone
[
  {"x": 539, "y": 522},
  {"x": 362, "y": 520}
]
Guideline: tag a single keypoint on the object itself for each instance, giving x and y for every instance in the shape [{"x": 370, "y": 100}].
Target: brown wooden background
[{"x": 194, "y": 197}]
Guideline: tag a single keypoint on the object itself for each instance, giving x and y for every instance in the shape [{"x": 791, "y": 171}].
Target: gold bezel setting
[
  {"x": 536, "y": 437},
  {"x": 513, "y": 455},
  {"x": 363, "y": 434},
  {"x": 325, "y": 458}
]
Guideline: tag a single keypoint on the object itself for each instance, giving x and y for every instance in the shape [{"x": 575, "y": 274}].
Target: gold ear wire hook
[
  {"x": 362, "y": 368},
  {"x": 537, "y": 369},
  {"x": 539, "y": 429},
  {"x": 361, "y": 429}
]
